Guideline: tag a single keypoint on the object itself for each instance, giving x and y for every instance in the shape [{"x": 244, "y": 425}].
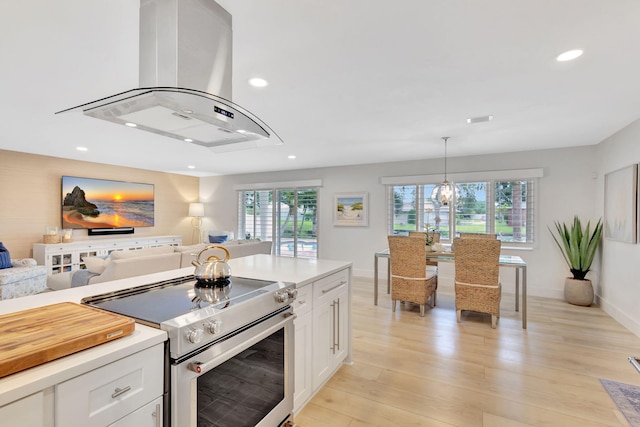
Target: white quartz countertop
[
  {"x": 264, "y": 267},
  {"x": 295, "y": 270}
]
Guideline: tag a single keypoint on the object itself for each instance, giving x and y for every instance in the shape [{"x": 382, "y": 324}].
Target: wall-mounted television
[{"x": 90, "y": 203}]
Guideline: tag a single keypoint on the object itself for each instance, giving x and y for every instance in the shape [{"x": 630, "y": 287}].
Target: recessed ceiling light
[
  {"x": 258, "y": 82},
  {"x": 188, "y": 140},
  {"x": 291, "y": 156},
  {"x": 187, "y": 111},
  {"x": 191, "y": 167},
  {"x": 82, "y": 149},
  {"x": 479, "y": 119},
  {"x": 569, "y": 55},
  {"x": 131, "y": 125}
]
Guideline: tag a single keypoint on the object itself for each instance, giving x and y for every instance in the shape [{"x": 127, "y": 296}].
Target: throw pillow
[
  {"x": 217, "y": 239},
  {"x": 5, "y": 258},
  {"x": 24, "y": 262},
  {"x": 95, "y": 264}
]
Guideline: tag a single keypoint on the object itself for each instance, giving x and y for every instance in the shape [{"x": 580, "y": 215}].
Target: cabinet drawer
[
  {"x": 106, "y": 394},
  {"x": 328, "y": 286},
  {"x": 303, "y": 302}
]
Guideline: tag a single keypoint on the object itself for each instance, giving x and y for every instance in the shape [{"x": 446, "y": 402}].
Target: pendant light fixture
[{"x": 445, "y": 192}]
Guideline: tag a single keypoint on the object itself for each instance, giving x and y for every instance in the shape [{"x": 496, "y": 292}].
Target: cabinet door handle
[
  {"x": 157, "y": 416},
  {"x": 326, "y": 291},
  {"x": 120, "y": 391},
  {"x": 333, "y": 326},
  {"x": 338, "y": 327}
]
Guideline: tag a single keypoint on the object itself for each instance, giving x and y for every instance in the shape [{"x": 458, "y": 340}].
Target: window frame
[
  {"x": 275, "y": 190},
  {"x": 490, "y": 178}
]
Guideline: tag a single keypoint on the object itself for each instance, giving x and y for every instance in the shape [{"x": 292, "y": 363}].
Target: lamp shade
[{"x": 196, "y": 209}]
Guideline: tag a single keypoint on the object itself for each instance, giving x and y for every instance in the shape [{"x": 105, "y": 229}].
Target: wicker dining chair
[
  {"x": 477, "y": 281},
  {"x": 410, "y": 279}
]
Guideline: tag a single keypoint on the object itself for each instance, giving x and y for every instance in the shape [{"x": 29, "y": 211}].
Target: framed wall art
[
  {"x": 621, "y": 204},
  {"x": 351, "y": 209}
]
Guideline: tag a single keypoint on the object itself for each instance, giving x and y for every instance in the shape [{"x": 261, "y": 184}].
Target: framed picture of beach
[
  {"x": 621, "y": 204},
  {"x": 351, "y": 209}
]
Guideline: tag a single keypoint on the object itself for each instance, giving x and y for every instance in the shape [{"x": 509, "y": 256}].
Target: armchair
[{"x": 24, "y": 278}]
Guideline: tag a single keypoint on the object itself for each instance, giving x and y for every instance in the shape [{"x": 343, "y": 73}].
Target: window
[
  {"x": 293, "y": 219},
  {"x": 482, "y": 206}
]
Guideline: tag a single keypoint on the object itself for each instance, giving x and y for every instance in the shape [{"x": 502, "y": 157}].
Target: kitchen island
[{"x": 36, "y": 392}]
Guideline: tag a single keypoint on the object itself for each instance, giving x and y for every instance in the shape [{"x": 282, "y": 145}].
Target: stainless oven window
[{"x": 245, "y": 388}]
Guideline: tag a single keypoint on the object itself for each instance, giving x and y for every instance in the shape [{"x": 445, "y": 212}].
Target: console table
[
  {"x": 63, "y": 257},
  {"x": 514, "y": 262}
]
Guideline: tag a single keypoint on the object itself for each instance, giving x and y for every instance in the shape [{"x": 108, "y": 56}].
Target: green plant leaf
[{"x": 577, "y": 245}]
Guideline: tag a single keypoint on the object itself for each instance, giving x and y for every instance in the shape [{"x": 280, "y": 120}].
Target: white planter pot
[{"x": 578, "y": 292}]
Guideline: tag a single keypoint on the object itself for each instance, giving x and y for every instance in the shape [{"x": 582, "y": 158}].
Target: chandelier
[{"x": 445, "y": 192}]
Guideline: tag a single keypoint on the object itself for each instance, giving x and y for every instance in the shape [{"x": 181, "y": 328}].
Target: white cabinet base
[{"x": 322, "y": 333}]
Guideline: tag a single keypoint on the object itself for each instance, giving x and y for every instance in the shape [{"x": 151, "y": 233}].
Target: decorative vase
[{"x": 578, "y": 292}]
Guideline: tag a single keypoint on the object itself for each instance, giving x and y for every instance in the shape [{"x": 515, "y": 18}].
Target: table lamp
[{"x": 196, "y": 210}]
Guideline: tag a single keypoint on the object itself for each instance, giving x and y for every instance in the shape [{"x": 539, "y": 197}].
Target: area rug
[{"x": 627, "y": 398}]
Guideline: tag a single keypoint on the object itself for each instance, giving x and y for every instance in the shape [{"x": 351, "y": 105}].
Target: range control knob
[
  {"x": 281, "y": 296},
  {"x": 194, "y": 336},
  {"x": 293, "y": 293},
  {"x": 214, "y": 327}
]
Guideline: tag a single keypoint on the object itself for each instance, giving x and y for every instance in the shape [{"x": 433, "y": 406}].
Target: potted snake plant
[{"x": 578, "y": 246}]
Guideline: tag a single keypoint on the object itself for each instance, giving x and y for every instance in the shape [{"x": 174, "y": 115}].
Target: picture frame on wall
[
  {"x": 621, "y": 204},
  {"x": 351, "y": 209}
]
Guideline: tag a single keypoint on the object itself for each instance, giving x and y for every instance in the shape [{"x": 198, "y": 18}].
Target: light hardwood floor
[{"x": 431, "y": 371}]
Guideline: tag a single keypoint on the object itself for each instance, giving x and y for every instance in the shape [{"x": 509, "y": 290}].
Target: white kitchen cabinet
[
  {"x": 31, "y": 411},
  {"x": 303, "y": 327},
  {"x": 330, "y": 325},
  {"x": 322, "y": 333},
  {"x": 112, "y": 392},
  {"x": 149, "y": 415},
  {"x": 63, "y": 257}
]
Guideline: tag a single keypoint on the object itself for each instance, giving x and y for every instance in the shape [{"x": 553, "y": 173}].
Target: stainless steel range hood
[{"x": 185, "y": 80}]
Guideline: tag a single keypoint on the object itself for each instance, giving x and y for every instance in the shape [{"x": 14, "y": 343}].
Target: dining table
[{"x": 510, "y": 261}]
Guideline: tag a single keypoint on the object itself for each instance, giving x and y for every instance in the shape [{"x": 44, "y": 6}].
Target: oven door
[{"x": 244, "y": 380}]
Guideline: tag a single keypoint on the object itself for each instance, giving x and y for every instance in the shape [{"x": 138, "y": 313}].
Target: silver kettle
[{"x": 213, "y": 270}]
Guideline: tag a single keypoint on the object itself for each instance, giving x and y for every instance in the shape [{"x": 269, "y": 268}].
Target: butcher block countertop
[
  {"x": 39, "y": 335},
  {"x": 24, "y": 383}
]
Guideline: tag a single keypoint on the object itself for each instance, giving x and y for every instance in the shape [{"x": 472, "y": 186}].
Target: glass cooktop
[{"x": 158, "y": 302}]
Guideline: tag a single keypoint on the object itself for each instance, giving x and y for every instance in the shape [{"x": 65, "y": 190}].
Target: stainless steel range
[{"x": 230, "y": 350}]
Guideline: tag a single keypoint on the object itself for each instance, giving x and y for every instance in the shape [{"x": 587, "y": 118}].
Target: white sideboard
[{"x": 62, "y": 257}]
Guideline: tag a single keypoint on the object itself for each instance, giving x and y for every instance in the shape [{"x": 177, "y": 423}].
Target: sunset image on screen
[{"x": 98, "y": 203}]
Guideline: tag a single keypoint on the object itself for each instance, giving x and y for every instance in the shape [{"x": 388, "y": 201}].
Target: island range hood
[{"x": 185, "y": 80}]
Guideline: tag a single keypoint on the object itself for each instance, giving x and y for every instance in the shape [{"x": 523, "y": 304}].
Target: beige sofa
[
  {"x": 236, "y": 248},
  {"x": 124, "y": 264}
]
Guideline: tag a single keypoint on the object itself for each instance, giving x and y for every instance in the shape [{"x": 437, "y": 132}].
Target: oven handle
[{"x": 202, "y": 367}]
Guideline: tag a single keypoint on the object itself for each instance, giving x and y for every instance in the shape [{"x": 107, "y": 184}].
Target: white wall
[
  {"x": 567, "y": 188},
  {"x": 619, "y": 287}
]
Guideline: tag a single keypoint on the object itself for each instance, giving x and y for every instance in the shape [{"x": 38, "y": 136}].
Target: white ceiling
[{"x": 351, "y": 82}]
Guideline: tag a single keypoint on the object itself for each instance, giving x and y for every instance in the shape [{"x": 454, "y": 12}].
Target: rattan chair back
[
  {"x": 477, "y": 261},
  {"x": 408, "y": 256},
  {"x": 478, "y": 236}
]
